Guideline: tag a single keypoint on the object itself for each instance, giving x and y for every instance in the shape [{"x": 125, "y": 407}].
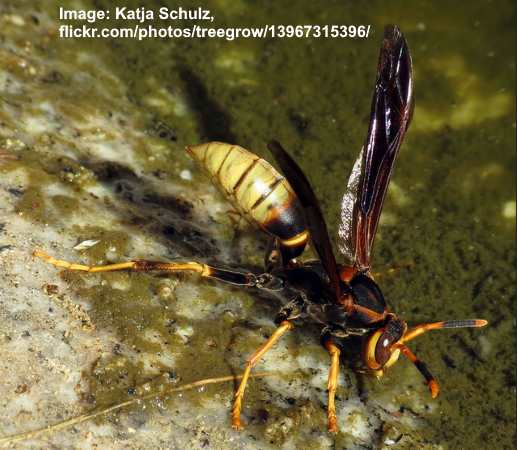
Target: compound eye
[
  {"x": 383, "y": 348},
  {"x": 380, "y": 350},
  {"x": 393, "y": 331}
]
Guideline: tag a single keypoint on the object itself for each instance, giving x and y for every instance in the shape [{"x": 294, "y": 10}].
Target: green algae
[
  {"x": 131, "y": 313},
  {"x": 293, "y": 91}
]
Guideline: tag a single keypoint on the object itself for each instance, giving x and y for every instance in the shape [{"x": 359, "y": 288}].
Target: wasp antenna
[
  {"x": 469, "y": 323},
  {"x": 424, "y": 327}
]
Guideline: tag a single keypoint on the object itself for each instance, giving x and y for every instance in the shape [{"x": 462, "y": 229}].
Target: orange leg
[
  {"x": 434, "y": 388},
  {"x": 226, "y": 275},
  {"x": 251, "y": 362},
  {"x": 131, "y": 265},
  {"x": 332, "y": 384}
]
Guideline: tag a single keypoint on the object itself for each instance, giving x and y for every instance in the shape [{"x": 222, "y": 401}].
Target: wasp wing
[
  {"x": 346, "y": 245},
  {"x": 392, "y": 107},
  {"x": 313, "y": 215}
]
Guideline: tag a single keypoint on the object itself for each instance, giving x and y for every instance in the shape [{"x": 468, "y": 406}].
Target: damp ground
[{"x": 92, "y": 135}]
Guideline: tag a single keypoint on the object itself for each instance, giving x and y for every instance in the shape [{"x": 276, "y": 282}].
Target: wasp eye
[
  {"x": 383, "y": 348},
  {"x": 393, "y": 331}
]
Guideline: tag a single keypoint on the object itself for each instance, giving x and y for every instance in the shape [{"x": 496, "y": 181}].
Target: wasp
[{"x": 344, "y": 299}]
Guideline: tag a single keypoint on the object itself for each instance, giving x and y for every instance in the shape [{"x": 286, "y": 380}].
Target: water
[{"x": 111, "y": 118}]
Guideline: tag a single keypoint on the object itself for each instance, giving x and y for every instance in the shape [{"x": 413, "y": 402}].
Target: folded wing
[{"x": 313, "y": 215}]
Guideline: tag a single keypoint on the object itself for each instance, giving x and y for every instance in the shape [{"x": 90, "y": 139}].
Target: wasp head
[{"x": 381, "y": 349}]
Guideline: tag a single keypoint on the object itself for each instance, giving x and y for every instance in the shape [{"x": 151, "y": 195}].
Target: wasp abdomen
[{"x": 255, "y": 189}]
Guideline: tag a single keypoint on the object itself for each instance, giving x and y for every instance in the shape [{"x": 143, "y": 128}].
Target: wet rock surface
[{"x": 93, "y": 171}]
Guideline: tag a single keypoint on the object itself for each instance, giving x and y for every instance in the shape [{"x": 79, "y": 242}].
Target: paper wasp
[{"x": 343, "y": 298}]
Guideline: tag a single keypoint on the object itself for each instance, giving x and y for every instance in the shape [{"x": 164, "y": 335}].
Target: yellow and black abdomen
[{"x": 257, "y": 191}]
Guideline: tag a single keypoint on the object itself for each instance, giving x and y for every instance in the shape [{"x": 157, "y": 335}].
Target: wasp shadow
[
  {"x": 166, "y": 216},
  {"x": 213, "y": 121}
]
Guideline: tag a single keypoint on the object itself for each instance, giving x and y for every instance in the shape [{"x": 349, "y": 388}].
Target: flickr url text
[{"x": 141, "y": 32}]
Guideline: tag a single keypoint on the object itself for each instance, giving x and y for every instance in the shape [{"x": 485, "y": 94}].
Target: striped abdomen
[{"x": 256, "y": 190}]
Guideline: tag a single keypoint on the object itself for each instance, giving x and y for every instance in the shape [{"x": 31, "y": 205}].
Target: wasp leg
[
  {"x": 292, "y": 310},
  {"x": 332, "y": 384},
  {"x": 235, "y": 217},
  {"x": 250, "y": 363},
  {"x": 225, "y": 275},
  {"x": 273, "y": 257},
  {"x": 422, "y": 368}
]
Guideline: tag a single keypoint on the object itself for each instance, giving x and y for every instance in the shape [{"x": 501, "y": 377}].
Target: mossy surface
[{"x": 446, "y": 221}]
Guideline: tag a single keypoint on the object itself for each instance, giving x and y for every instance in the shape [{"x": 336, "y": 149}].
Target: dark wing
[
  {"x": 317, "y": 227},
  {"x": 392, "y": 107}
]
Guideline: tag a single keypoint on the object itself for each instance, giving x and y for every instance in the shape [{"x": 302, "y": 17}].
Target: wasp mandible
[{"x": 343, "y": 298}]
